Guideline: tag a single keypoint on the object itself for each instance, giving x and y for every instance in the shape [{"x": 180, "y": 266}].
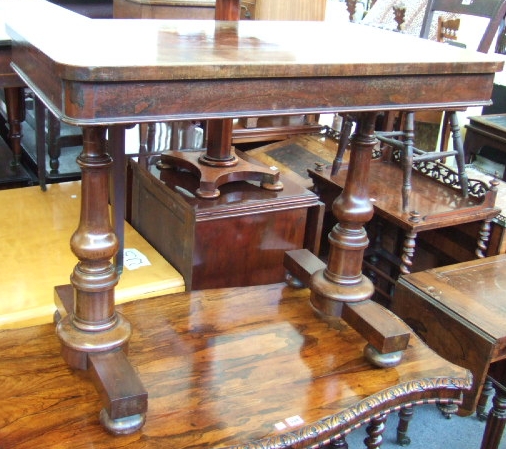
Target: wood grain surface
[{"x": 222, "y": 368}]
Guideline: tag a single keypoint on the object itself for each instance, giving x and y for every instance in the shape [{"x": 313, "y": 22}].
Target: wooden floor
[{"x": 35, "y": 230}]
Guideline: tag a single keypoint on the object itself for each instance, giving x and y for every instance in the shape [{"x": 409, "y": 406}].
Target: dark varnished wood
[
  {"x": 222, "y": 368},
  {"x": 459, "y": 311},
  {"x": 14, "y": 97},
  {"x": 485, "y": 130},
  {"x": 198, "y": 234},
  {"x": 221, "y": 70}
]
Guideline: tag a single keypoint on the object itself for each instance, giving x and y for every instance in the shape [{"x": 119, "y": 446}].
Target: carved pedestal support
[
  {"x": 339, "y": 288},
  {"x": 93, "y": 335}
]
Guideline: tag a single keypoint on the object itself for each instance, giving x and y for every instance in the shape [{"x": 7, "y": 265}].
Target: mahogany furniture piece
[
  {"x": 250, "y": 367},
  {"x": 15, "y": 105},
  {"x": 434, "y": 205},
  {"x": 245, "y": 129},
  {"x": 198, "y": 70},
  {"x": 459, "y": 311},
  {"x": 195, "y": 235},
  {"x": 485, "y": 130}
]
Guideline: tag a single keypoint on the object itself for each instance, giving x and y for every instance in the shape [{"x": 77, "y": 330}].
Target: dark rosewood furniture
[
  {"x": 250, "y": 367},
  {"x": 485, "y": 131},
  {"x": 433, "y": 205},
  {"x": 13, "y": 87},
  {"x": 195, "y": 235},
  {"x": 118, "y": 72},
  {"x": 460, "y": 311}
]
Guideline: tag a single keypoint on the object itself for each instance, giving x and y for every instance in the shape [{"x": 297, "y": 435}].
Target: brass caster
[
  {"x": 122, "y": 426},
  {"x": 382, "y": 360}
]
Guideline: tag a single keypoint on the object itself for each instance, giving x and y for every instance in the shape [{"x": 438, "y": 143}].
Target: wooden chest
[{"x": 237, "y": 239}]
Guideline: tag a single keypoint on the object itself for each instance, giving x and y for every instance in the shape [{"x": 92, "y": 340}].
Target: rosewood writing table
[{"x": 113, "y": 73}]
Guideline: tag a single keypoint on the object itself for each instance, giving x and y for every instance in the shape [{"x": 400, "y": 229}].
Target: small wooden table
[
  {"x": 485, "y": 130},
  {"x": 433, "y": 205},
  {"x": 250, "y": 367},
  {"x": 460, "y": 311},
  {"x": 122, "y": 72}
]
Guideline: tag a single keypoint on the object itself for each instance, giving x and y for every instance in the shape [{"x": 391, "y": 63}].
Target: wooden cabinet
[
  {"x": 287, "y": 9},
  {"x": 237, "y": 239}
]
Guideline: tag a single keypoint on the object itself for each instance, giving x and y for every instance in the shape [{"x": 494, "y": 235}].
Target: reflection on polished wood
[
  {"x": 29, "y": 217},
  {"x": 217, "y": 71},
  {"x": 222, "y": 368}
]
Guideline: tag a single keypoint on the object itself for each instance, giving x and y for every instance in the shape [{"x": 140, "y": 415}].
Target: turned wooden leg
[
  {"x": 342, "y": 280},
  {"x": 40, "y": 140},
  {"x": 496, "y": 420},
  {"x": 407, "y": 159},
  {"x": 408, "y": 251},
  {"x": 93, "y": 335},
  {"x": 486, "y": 391},
  {"x": 459, "y": 148},
  {"x": 15, "y": 104},
  {"x": 405, "y": 416},
  {"x": 484, "y": 234},
  {"x": 338, "y": 288},
  {"x": 339, "y": 443},
  {"x": 53, "y": 145},
  {"x": 375, "y": 432}
]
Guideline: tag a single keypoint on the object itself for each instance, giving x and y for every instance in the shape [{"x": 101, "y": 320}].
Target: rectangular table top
[{"x": 119, "y": 70}]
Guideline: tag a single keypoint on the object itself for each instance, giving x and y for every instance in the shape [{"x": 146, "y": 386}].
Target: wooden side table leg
[
  {"x": 15, "y": 104},
  {"x": 496, "y": 420},
  {"x": 484, "y": 235},
  {"x": 486, "y": 391},
  {"x": 408, "y": 251},
  {"x": 93, "y": 335},
  {"x": 405, "y": 416}
]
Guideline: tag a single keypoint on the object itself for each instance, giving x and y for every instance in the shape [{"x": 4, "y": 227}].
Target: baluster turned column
[
  {"x": 93, "y": 335},
  {"x": 342, "y": 280}
]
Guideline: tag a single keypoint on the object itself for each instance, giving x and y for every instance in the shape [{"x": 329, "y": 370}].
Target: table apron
[{"x": 102, "y": 103}]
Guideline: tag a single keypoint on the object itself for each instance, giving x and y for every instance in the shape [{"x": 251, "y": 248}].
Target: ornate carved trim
[
  {"x": 444, "y": 174},
  {"x": 364, "y": 411}
]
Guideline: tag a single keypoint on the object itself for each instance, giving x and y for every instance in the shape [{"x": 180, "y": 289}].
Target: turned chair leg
[
  {"x": 458, "y": 147},
  {"x": 405, "y": 416},
  {"x": 486, "y": 391},
  {"x": 496, "y": 420},
  {"x": 344, "y": 140}
]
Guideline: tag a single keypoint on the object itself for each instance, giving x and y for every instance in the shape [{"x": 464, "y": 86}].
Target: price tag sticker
[
  {"x": 294, "y": 421},
  {"x": 134, "y": 259}
]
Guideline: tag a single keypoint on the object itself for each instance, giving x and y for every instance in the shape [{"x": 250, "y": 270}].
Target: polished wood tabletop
[
  {"x": 248, "y": 367},
  {"x": 208, "y": 69}
]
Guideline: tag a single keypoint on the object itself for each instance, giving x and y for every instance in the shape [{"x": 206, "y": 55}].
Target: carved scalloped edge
[{"x": 346, "y": 421}]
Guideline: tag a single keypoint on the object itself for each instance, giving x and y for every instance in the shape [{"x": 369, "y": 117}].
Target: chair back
[{"x": 495, "y": 10}]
